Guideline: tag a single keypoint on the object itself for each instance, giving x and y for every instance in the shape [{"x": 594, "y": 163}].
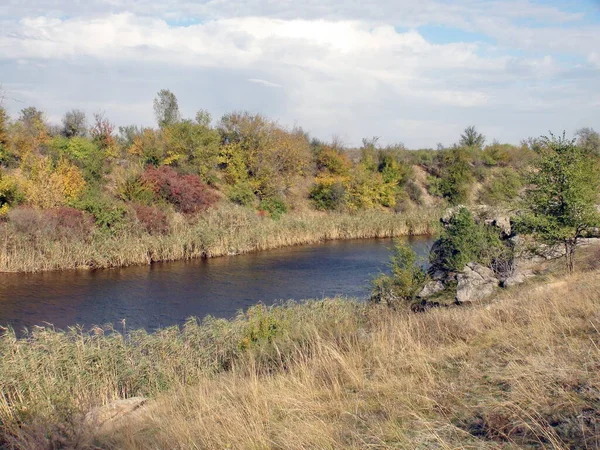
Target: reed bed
[
  {"x": 519, "y": 372},
  {"x": 226, "y": 230}
]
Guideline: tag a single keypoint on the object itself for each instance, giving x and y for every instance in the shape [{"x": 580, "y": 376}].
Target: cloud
[
  {"x": 347, "y": 68},
  {"x": 264, "y": 82}
]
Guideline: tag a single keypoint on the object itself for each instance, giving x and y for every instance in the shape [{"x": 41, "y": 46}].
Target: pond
[{"x": 164, "y": 294}]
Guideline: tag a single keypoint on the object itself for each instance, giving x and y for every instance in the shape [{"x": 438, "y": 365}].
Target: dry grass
[
  {"x": 220, "y": 231},
  {"x": 520, "y": 372}
]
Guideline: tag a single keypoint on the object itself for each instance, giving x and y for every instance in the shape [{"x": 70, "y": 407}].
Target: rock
[
  {"x": 520, "y": 276},
  {"x": 475, "y": 283},
  {"x": 502, "y": 223},
  {"x": 107, "y": 418},
  {"x": 431, "y": 288}
]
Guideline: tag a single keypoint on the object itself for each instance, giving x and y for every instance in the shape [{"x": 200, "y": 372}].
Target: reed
[
  {"x": 519, "y": 372},
  {"x": 227, "y": 230}
]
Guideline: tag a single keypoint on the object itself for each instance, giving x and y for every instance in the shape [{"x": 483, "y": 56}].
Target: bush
[
  {"x": 62, "y": 222},
  {"x": 186, "y": 192},
  {"x": 107, "y": 214},
  {"x": 502, "y": 188},
  {"x": 328, "y": 196},
  {"x": 275, "y": 207},
  {"x": 152, "y": 219},
  {"x": 414, "y": 192},
  {"x": 241, "y": 194},
  {"x": 135, "y": 189},
  {"x": 464, "y": 240},
  {"x": 405, "y": 282}
]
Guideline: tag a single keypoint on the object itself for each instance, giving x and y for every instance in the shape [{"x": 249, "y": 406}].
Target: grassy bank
[
  {"x": 219, "y": 231},
  {"x": 519, "y": 372}
]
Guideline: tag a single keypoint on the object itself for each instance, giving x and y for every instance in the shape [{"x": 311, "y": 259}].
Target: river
[{"x": 164, "y": 294}]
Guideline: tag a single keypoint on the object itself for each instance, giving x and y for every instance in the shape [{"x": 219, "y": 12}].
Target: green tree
[
  {"x": 74, "y": 124},
  {"x": 471, "y": 138},
  {"x": 456, "y": 176},
  {"x": 560, "y": 205},
  {"x": 405, "y": 282},
  {"x": 166, "y": 108},
  {"x": 588, "y": 140}
]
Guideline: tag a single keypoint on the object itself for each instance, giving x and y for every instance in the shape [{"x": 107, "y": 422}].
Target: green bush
[
  {"x": 328, "y": 197},
  {"x": 107, "y": 214},
  {"x": 502, "y": 188},
  {"x": 464, "y": 240},
  {"x": 405, "y": 282},
  {"x": 275, "y": 207},
  {"x": 134, "y": 189},
  {"x": 242, "y": 194}
]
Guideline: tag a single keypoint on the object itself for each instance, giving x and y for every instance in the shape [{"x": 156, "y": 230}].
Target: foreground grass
[
  {"x": 220, "y": 231},
  {"x": 520, "y": 372}
]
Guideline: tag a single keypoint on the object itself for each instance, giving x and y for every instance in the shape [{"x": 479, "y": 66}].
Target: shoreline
[{"x": 224, "y": 231}]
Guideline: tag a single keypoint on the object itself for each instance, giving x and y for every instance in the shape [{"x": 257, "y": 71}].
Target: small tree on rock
[{"x": 560, "y": 205}]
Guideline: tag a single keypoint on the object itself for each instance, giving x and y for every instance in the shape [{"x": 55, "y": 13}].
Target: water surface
[{"x": 164, "y": 294}]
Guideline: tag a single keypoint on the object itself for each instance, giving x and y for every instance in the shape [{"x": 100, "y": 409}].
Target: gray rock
[
  {"x": 520, "y": 276},
  {"x": 431, "y": 288},
  {"x": 502, "y": 223},
  {"x": 475, "y": 283}
]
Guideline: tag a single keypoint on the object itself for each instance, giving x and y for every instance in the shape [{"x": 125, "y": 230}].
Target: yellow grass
[
  {"x": 226, "y": 230},
  {"x": 522, "y": 371}
]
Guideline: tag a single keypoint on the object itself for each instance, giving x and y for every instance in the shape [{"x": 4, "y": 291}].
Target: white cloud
[{"x": 348, "y": 68}]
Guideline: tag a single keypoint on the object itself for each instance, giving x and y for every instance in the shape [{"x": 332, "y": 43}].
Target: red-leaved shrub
[
  {"x": 152, "y": 219},
  {"x": 188, "y": 193},
  {"x": 54, "y": 222}
]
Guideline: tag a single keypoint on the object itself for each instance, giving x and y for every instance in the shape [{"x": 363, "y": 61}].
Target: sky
[{"x": 405, "y": 71}]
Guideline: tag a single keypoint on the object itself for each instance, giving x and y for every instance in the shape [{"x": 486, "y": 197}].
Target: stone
[
  {"x": 518, "y": 277},
  {"x": 503, "y": 224},
  {"x": 431, "y": 288},
  {"x": 475, "y": 283},
  {"x": 108, "y": 418}
]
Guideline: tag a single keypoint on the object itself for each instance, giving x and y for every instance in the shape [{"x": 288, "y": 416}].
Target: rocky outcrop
[
  {"x": 475, "y": 283},
  {"x": 108, "y": 418},
  {"x": 503, "y": 224},
  {"x": 519, "y": 276},
  {"x": 431, "y": 288}
]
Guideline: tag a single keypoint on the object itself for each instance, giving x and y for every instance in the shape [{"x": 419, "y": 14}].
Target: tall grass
[
  {"x": 226, "y": 230},
  {"x": 519, "y": 372}
]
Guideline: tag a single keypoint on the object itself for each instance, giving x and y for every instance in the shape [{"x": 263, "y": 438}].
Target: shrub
[
  {"x": 241, "y": 194},
  {"x": 107, "y": 214},
  {"x": 414, "y": 192},
  {"x": 62, "y": 222},
  {"x": 188, "y": 193},
  {"x": 328, "y": 195},
  {"x": 464, "y": 240},
  {"x": 275, "y": 207},
  {"x": 135, "y": 189},
  {"x": 152, "y": 219},
  {"x": 405, "y": 282},
  {"x": 502, "y": 188}
]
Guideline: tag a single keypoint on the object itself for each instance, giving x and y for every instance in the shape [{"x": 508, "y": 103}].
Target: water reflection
[{"x": 167, "y": 293}]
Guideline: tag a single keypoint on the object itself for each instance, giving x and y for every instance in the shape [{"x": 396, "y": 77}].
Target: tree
[
  {"x": 560, "y": 206},
  {"x": 456, "y": 176},
  {"x": 74, "y": 124},
  {"x": 471, "y": 138},
  {"x": 588, "y": 140},
  {"x": 406, "y": 281},
  {"x": 166, "y": 108}
]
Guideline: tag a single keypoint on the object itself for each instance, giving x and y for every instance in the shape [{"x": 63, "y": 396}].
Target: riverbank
[
  {"x": 226, "y": 230},
  {"x": 520, "y": 371}
]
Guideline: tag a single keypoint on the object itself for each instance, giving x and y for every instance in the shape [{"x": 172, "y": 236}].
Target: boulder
[
  {"x": 107, "y": 418},
  {"x": 518, "y": 277},
  {"x": 502, "y": 223},
  {"x": 431, "y": 288},
  {"x": 475, "y": 283}
]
